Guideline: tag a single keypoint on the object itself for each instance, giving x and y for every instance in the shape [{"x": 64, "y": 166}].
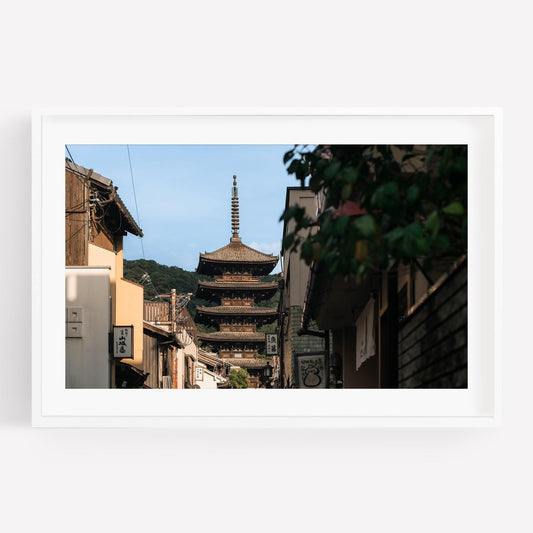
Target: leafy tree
[
  {"x": 238, "y": 378},
  {"x": 382, "y": 202}
]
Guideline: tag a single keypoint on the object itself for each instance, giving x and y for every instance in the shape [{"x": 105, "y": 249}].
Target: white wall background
[{"x": 233, "y": 53}]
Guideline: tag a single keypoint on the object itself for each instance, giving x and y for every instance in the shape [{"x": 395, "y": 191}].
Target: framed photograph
[{"x": 308, "y": 267}]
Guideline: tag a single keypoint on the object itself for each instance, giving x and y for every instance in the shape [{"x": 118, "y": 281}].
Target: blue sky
[{"x": 184, "y": 195}]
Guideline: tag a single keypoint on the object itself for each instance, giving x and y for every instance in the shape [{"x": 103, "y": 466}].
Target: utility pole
[{"x": 173, "y": 330}]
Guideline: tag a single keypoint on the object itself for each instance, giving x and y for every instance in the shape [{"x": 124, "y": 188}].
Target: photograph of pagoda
[{"x": 330, "y": 266}]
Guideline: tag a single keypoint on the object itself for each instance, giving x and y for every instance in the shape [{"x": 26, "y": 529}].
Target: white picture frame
[{"x": 480, "y": 405}]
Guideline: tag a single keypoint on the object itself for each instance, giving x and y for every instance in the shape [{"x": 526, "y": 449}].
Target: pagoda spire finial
[{"x": 235, "y": 211}]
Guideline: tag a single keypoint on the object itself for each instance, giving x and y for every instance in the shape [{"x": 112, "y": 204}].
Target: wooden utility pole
[{"x": 173, "y": 330}]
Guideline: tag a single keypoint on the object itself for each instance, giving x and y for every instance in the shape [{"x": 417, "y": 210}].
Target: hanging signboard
[
  {"x": 311, "y": 369},
  {"x": 271, "y": 344},
  {"x": 123, "y": 342}
]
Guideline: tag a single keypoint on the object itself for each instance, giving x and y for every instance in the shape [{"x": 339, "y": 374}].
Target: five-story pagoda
[{"x": 237, "y": 288}]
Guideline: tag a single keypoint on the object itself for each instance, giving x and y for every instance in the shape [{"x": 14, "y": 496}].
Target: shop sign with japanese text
[
  {"x": 123, "y": 342},
  {"x": 271, "y": 344},
  {"x": 311, "y": 371}
]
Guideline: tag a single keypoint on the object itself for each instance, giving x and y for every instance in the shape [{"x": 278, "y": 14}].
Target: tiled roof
[
  {"x": 133, "y": 226},
  {"x": 232, "y": 335},
  {"x": 238, "y": 285},
  {"x": 236, "y": 310},
  {"x": 246, "y": 362},
  {"x": 239, "y": 253},
  {"x": 209, "y": 358}
]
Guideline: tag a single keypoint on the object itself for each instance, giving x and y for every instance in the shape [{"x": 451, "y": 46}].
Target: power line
[
  {"x": 135, "y": 196},
  {"x": 147, "y": 280},
  {"x": 75, "y": 171},
  {"x": 70, "y": 155}
]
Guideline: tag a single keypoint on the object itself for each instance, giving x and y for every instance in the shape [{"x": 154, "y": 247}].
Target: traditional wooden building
[
  {"x": 211, "y": 371},
  {"x": 237, "y": 289},
  {"x": 170, "y": 343},
  {"x": 98, "y": 296},
  {"x": 159, "y": 349}
]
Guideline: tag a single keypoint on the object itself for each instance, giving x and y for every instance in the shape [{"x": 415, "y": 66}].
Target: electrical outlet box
[
  {"x": 75, "y": 314},
  {"x": 74, "y": 330}
]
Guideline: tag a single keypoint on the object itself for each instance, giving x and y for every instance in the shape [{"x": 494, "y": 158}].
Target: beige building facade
[{"x": 295, "y": 279}]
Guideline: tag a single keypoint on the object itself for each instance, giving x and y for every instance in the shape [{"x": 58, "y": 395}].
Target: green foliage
[
  {"x": 273, "y": 302},
  {"x": 383, "y": 202},
  {"x": 268, "y": 328},
  {"x": 238, "y": 378}
]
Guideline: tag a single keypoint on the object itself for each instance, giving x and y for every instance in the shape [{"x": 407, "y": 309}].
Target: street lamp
[{"x": 267, "y": 371}]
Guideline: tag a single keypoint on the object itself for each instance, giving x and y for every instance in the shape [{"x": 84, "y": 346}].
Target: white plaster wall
[
  {"x": 87, "y": 357},
  {"x": 299, "y": 271},
  {"x": 208, "y": 381}
]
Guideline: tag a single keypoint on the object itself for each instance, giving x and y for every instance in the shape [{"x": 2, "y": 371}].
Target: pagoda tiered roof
[
  {"x": 237, "y": 310},
  {"x": 218, "y": 313},
  {"x": 235, "y": 255},
  {"x": 233, "y": 339},
  {"x": 229, "y": 336},
  {"x": 239, "y": 285},
  {"x": 247, "y": 362},
  {"x": 238, "y": 252},
  {"x": 215, "y": 289}
]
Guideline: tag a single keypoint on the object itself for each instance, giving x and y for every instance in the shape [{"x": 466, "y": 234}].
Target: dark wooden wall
[
  {"x": 103, "y": 239},
  {"x": 432, "y": 350},
  {"x": 76, "y": 220},
  {"x": 151, "y": 360}
]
